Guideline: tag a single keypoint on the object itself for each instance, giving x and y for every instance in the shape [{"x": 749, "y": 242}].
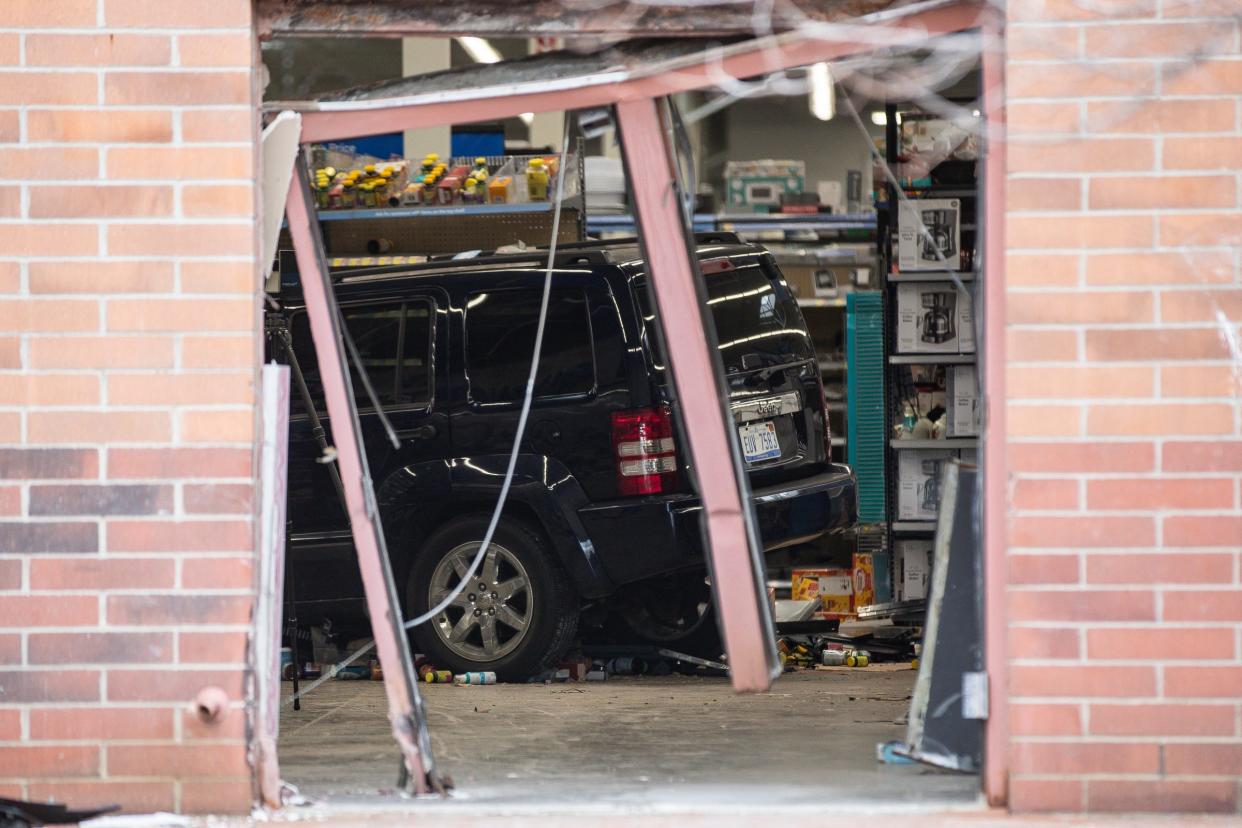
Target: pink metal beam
[
  {"x": 335, "y": 121},
  {"x": 995, "y": 471},
  {"x": 405, "y": 709},
  {"x": 733, "y": 548}
]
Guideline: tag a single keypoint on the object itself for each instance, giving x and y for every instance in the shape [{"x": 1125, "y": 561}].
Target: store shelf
[
  {"x": 946, "y": 443},
  {"x": 832, "y": 365},
  {"x": 943, "y": 192},
  {"x": 932, "y": 359},
  {"x": 571, "y": 203},
  {"x": 747, "y": 222},
  {"x": 822, "y": 303},
  {"x": 914, "y": 526},
  {"x": 932, "y": 276}
]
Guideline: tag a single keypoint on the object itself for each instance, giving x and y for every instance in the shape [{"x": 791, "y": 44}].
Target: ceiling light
[
  {"x": 823, "y": 95},
  {"x": 879, "y": 118},
  {"x": 479, "y": 49}
]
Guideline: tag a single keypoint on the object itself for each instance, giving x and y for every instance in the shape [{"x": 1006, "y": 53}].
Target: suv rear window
[
  {"x": 394, "y": 343},
  {"x": 757, "y": 320},
  {"x": 500, "y": 339}
]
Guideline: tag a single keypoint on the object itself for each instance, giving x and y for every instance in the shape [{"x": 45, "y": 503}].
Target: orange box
[
  {"x": 833, "y": 587},
  {"x": 864, "y": 580}
]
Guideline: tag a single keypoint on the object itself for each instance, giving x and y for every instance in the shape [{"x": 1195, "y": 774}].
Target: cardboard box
[
  {"x": 963, "y": 403},
  {"x": 934, "y": 318},
  {"x": 919, "y": 475},
  {"x": 942, "y": 217},
  {"x": 914, "y": 560},
  {"x": 833, "y": 587},
  {"x": 864, "y": 580}
]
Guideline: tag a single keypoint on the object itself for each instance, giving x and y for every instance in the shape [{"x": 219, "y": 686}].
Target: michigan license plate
[{"x": 759, "y": 441}]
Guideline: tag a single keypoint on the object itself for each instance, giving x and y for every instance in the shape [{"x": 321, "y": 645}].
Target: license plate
[{"x": 759, "y": 441}]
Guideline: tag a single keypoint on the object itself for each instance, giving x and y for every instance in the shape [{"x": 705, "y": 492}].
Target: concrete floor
[{"x": 687, "y": 742}]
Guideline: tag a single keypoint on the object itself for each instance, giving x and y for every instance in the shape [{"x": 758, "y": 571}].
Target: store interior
[{"x": 867, "y": 203}]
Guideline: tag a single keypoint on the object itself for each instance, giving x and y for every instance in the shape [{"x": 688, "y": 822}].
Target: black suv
[{"x": 602, "y": 511}]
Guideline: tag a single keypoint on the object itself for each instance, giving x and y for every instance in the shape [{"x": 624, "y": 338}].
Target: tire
[
  {"x": 676, "y": 612},
  {"x": 539, "y": 594}
]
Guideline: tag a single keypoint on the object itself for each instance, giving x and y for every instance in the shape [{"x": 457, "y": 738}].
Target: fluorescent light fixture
[
  {"x": 479, "y": 49},
  {"x": 879, "y": 118},
  {"x": 823, "y": 94}
]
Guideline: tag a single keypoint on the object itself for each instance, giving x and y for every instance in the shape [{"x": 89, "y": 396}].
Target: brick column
[
  {"x": 1123, "y": 308},
  {"x": 129, "y": 339}
]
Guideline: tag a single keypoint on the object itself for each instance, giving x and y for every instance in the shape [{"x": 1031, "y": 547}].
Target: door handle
[{"x": 424, "y": 432}]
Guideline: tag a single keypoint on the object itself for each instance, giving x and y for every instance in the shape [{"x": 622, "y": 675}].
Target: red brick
[
  {"x": 10, "y": 649},
  {"x": 99, "y": 648},
  {"x": 176, "y": 463},
  {"x": 1079, "y": 80},
  {"x": 1203, "y": 759},
  {"x": 1043, "y": 420},
  {"x": 1160, "y": 419},
  {"x": 216, "y": 426},
  {"x": 1181, "y": 644},
  {"x": 102, "y": 573},
  {"x": 48, "y": 464},
  {"x": 214, "y": 796},
  {"x": 217, "y": 200},
  {"x": 1192, "y": 681},
  {"x": 45, "y": 14},
  {"x": 97, "y": 50},
  {"x": 1045, "y": 720},
  {"x": 177, "y": 760},
  {"x": 1035, "y": 494},
  {"x": 1201, "y": 153},
  {"x": 217, "y": 573},
  {"x": 1086, "y": 605},
  {"x": 1043, "y": 194},
  {"x": 1178, "y": 568},
  {"x": 179, "y": 536},
  {"x": 1202, "y": 76},
  {"x": 30, "y": 538},
  {"x": 1155, "y": 192},
  {"x": 25, "y": 163},
  {"x": 1073, "y": 382},
  {"x": 42, "y": 686},
  {"x": 10, "y": 574},
  {"x": 1199, "y": 381},
  {"x": 59, "y": 316},
  {"x": 1034, "y": 345},
  {"x": 40, "y": 611},
  {"x": 10, "y": 352},
  {"x": 1074, "y": 758},
  {"x": 218, "y": 125},
  {"x": 1200, "y": 305},
  {"x": 1080, "y": 532},
  {"x": 179, "y": 389},
  {"x": 10, "y": 126},
  {"x": 1151, "y": 38},
  {"x": 1041, "y": 269},
  {"x": 1134, "y": 345},
  {"x": 43, "y": 390},
  {"x": 1047, "y": 307},
  {"x": 55, "y": 88},
  {"x": 101, "y": 352},
  {"x": 1172, "y": 795},
  {"x": 70, "y": 201},
  {"x": 1081, "y": 457},
  {"x": 182, "y": 610},
  {"x": 1182, "y": 229},
  {"x": 133, "y": 797},
  {"x": 179, "y": 163},
  {"x": 10, "y": 726},
  {"x": 1188, "y": 530},
  {"x": 1161, "y": 719},
  {"x": 176, "y": 88},
  {"x": 219, "y": 499},
  {"x": 1210, "y": 456},
  {"x": 100, "y": 126},
  {"x": 213, "y": 647},
  {"x": 1045, "y": 795},
  {"x": 219, "y": 277},
  {"x": 180, "y": 686},
  {"x": 68, "y": 724},
  {"x": 1043, "y": 643},
  {"x": 100, "y": 427},
  {"x": 181, "y": 239},
  {"x": 176, "y": 14},
  {"x": 1203, "y": 605},
  {"x": 1044, "y": 119},
  {"x": 1146, "y": 494},
  {"x": 42, "y": 239},
  {"x": 10, "y": 202},
  {"x": 1043, "y": 569},
  {"x": 113, "y": 499},
  {"x": 1154, "y": 267},
  {"x": 1161, "y": 116},
  {"x": 1036, "y": 232},
  {"x": 181, "y": 315},
  {"x": 29, "y": 761}
]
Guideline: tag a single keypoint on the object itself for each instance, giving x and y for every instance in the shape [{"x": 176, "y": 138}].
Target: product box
[
  {"x": 864, "y": 580},
  {"x": 934, "y": 318},
  {"x": 760, "y": 184},
  {"x": 919, "y": 476},
  {"x": 833, "y": 587},
  {"x": 963, "y": 403},
  {"x": 815, "y": 280},
  {"x": 943, "y": 219},
  {"x": 914, "y": 560}
]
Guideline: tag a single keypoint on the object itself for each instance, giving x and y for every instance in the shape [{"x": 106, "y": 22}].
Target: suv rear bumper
[{"x": 653, "y": 536}]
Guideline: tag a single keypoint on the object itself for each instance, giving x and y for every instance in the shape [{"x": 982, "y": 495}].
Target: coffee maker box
[
  {"x": 962, "y": 401},
  {"x": 942, "y": 218},
  {"x": 934, "y": 318},
  {"x": 914, "y": 560},
  {"x": 920, "y": 473}
]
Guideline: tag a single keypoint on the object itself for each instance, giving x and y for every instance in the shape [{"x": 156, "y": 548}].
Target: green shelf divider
[{"x": 868, "y": 422}]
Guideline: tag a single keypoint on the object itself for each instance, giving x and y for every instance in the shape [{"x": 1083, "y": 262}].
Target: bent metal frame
[{"x": 728, "y": 525}]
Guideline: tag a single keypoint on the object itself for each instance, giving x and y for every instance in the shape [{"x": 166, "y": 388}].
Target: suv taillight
[{"x": 644, "y": 451}]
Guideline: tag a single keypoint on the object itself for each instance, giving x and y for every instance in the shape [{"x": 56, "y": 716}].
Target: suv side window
[
  {"x": 394, "y": 343},
  {"x": 500, "y": 339}
]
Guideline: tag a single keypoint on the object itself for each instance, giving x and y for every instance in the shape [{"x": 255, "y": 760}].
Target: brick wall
[
  {"x": 128, "y": 346},
  {"x": 1123, "y": 308}
]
